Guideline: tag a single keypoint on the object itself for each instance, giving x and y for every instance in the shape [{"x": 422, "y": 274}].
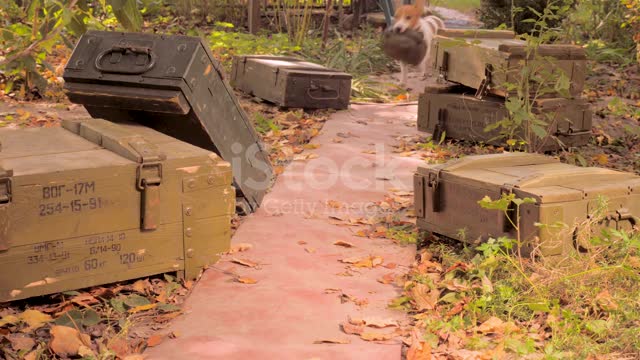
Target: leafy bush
[
  {"x": 513, "y": 13},
  {"x": 601, "y": 26},
  {"x": 32, "y": 29}
]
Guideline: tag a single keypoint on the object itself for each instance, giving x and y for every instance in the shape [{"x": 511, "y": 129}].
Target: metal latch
[
  {"x": 149, "y": 178},
  {"x": 440, "y": 127},
  {"x": 485, "y": 83},
  {"x": 623, "y": 214},
  {"x": 508, "y": 218},
  {"x": 5, "y": 186},
  {"x": 444, "y": 67},
  {"x": 433, "y": 186}
]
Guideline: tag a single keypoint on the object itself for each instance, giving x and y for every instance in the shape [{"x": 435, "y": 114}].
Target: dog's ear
[{"x": 420, "y": 5}]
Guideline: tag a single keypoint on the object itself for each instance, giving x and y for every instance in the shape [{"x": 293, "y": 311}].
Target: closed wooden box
[
  {"x": 492, "y": 60},
  {"x": 290, "y": 82},
  {"x": 94, "y": 202},
  {"x": 447, "y": 195}
]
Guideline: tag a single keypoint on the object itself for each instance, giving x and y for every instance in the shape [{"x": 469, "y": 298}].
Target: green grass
[{"x": 460, "y": 5}]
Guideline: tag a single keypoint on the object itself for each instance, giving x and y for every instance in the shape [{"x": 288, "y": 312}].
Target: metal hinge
[
  {"x": 433, "y": 186},
  {"x": 485, "y": 83},
  {"x": 5, "y": 186}
]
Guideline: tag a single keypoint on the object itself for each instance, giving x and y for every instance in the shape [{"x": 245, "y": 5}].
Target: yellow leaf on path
[
  {"x": 352, "y": 329},
  {"x": 247, "y": 280},
  {"x": 140, "y": 308},
  {"x": 335, "y": 204},
  {"x": 155, "y": 340},
  {"x": 310, "y": 250},
  {"x": 401, "y": 97},
  {"x": 375, "y": 336},
  {"x": 302, "y": 242},
  {"x": 239, "y": 248},
  {"x": 245, "y": 262},
  {"x": 369, "y": 152},
  {"x": 35, "y": 319},
  {"x": 333, "y": 341},
  {"x": 380, "y": 323},
  {"x": 387, "y": 279},
  {"x": 343, "y": 244},
  {"x": 67, "y": 341}
]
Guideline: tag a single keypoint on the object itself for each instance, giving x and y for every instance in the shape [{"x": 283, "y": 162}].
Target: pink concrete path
[{"x": 282, "y": 315}]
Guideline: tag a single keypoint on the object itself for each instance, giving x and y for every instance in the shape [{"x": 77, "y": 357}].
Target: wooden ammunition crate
[
  {"x": 94, "y": 202},
  {"x": 447, "y": 195},
  {"x": 455, "y": 112},
  {"x": 172, "y": 84},
  {"x": 291, "y": 82},
  {"x": 488, "y": 60}
]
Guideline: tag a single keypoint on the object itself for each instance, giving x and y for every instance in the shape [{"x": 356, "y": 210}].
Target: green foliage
[
  {"x": 227, "y": 43},
  {"x": 525, "y": 127},
  {"x": 514, "y": 14},
  {"x": 33, "y": 28},
  {"x": 403, "y": 234},
  {"x": 587, "y": 300},
  {"x": 264, "y": 125}
]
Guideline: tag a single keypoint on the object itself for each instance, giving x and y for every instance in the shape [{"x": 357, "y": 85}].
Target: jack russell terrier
[{"x": 418, "y": 18}]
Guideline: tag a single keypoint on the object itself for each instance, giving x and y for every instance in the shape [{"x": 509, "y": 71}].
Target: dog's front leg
[
  {"x": 404, "y": 74},
  {"x": 426, "y": 64}
]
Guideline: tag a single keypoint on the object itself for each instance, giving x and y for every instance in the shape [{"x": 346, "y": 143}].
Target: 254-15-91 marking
[{"x": 76, "y": 205}]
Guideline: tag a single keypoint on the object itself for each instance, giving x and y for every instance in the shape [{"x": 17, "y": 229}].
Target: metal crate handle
[
  {"x": 324, "y": 88},
  {"x": 124, "y": 49}
]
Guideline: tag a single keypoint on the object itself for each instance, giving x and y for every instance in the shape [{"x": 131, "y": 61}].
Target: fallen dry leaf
[
  {"x": 492, "y": 326},
  {"x": 331, "y": 290},
  {"x": 375, "y": 336},
  {"x": 21, "y": 342},
  {"x": 391, "y": 266},
  {"x": 302, "y": 242},
  {"x": 369, "y": 152},
  {"x": 245, "y": 262},
  {"x": 419, "y": 349},
  {"x": 424, "y": 297},
  {"x": 155, "y": 340},
  {"x": 343, "y": 244},
  {"x": 239, "y": 248},
  {"x": 335, "y": 204},
  {"x": 380, "y": 323},
  {"x": 135, "y": 357},
  {"x": 333, "y": 341},
  {"x": 66, "y": 341},
  {"x": 387, "y": 279},
  {"x": 351, "y": 260},
  {"x": 142, "y": 308},
  {"x": 352, "y": 329},
  {"x": 34, "y": 319},
  {"x": 247, "y": 280},
  {"x": 141, "y": 286},
  {"x": 310, "y": 250}
]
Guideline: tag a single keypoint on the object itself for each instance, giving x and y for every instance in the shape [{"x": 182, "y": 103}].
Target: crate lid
[
  {"x": 505, "y": 42},
  {"x": 89, "y": 144},
  {"x": 294, "y": 66},
  {"x": 542, "y": 177}
]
